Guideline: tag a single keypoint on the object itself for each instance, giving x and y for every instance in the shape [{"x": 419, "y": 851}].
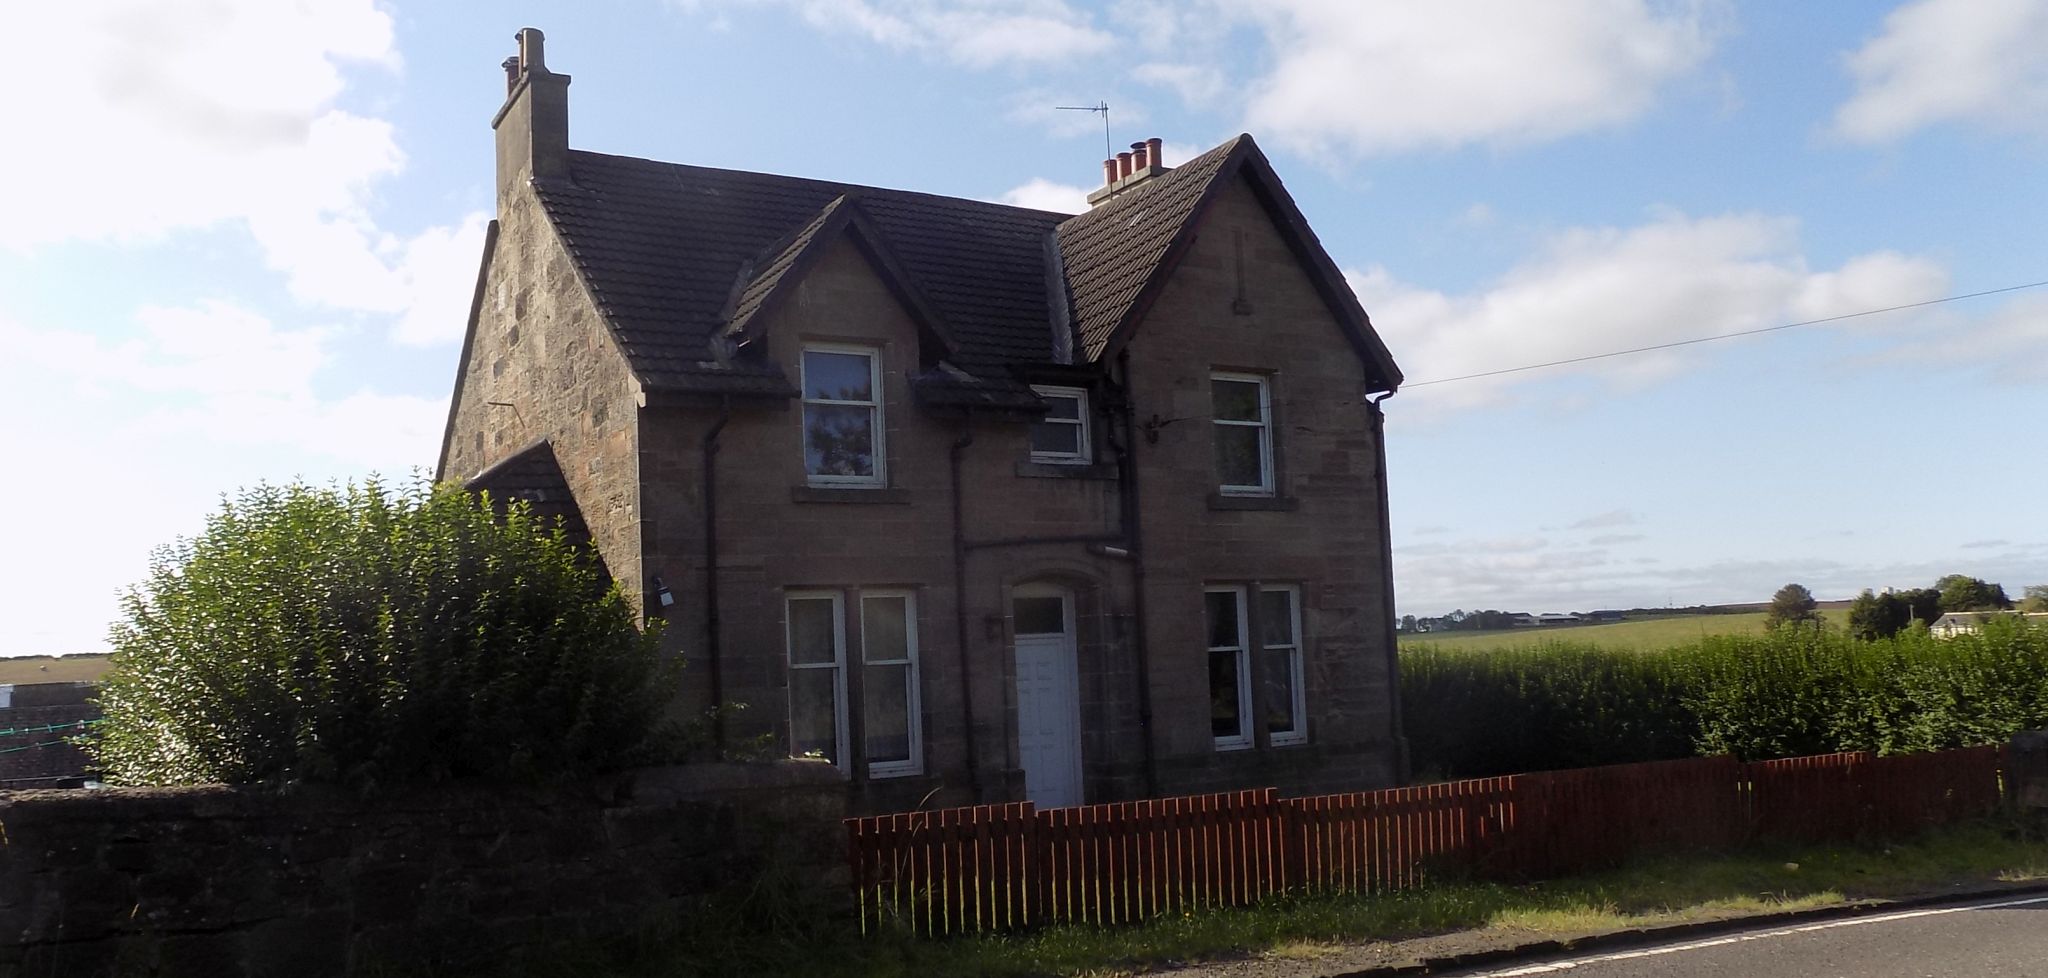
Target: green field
[{"x": 1647, "y": 634}]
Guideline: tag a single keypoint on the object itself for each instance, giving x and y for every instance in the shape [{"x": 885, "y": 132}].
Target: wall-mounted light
[{"x": 662, "y": 594}]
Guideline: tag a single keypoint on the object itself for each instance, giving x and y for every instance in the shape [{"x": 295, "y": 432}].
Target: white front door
[{"x": 1049, "y": 719}]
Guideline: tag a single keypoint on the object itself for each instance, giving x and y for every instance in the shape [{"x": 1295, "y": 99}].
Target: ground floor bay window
[
  {"x": 876, "y": 629},
  {"x": 1276, "y": 697}
]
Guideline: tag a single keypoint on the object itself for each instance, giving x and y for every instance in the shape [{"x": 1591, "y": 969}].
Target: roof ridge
[{"x": 844, "y": 187}]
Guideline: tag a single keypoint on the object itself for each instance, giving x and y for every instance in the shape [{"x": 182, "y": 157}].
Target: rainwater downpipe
[
  {"x": 959, "y": 451},
  {"x": 1127, "y": 485},
  {"x": 1399, "y": 730},
  {"x": 713, "y": 650}
]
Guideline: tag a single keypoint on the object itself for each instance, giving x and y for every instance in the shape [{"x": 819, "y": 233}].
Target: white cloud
[
  {"x": 981, "y": 33},
  {"x": 1596, "y": 290},
  {"x": 1365, "y": 79},
  {"x": 1195, "y": 83},
  {"x": 1046, "y": 195},
  {"x": 1977, "y": 61},
  {"x": 218, "y": 374},
  {"x": 149, "y": 120}
]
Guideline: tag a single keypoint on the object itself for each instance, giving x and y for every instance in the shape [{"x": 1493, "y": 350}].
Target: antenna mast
[{"x": 1108, "y": 148}]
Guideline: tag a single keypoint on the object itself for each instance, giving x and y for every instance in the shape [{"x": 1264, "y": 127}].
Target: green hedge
[
  {"x": 367, "y": 636},
  {"x": 1481, "y": 712}
]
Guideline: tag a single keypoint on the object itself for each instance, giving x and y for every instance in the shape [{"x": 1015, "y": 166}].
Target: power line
[{"x": 1723, "y": 336}]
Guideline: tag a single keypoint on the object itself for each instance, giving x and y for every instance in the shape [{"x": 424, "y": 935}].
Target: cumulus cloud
[
  {"x": 149, "y": 120},
  {"x": 219, "y": 374},
  {"x": 1046, "y": 195},
  {"x": 1366, "y": 79},
  {"x": 1589, "y": 291},
  {"x": 1334, "y": 77},
  {"x": 981, "y": 34},
  {"x": 1974, "y": 61}
]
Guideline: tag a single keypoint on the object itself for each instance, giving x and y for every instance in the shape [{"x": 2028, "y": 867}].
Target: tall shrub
[{"x": 367, "y": 635}]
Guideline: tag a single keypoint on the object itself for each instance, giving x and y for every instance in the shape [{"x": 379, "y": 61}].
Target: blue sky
[{"x": 239, "y": 240}]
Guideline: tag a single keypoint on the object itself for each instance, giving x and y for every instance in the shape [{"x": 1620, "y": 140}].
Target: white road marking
[{"x": 1554, "y": 967}]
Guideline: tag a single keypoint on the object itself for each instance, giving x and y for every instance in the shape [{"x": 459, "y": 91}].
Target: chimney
[
  {"x": 533, "y": 125},
  {"x": 1146, "y": 159}
]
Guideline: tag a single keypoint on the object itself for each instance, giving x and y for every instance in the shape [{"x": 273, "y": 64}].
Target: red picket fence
[{"x": 1005, "y": 867}]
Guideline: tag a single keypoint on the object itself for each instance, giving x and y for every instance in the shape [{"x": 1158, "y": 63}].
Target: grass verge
[{"x": 1657, "y": 891}]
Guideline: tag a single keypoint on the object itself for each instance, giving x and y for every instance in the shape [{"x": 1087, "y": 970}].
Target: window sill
[
  {"x": 1284, "y": 504},
  {"x": 1229, "y": 746},
  {"x": 894, "y": 773},
  {"x": 1066, "y": 470},
  {"x": 849, "y": 494}
]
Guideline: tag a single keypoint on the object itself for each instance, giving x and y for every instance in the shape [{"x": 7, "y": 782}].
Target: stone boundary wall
[{"x": 226, "y": 882}]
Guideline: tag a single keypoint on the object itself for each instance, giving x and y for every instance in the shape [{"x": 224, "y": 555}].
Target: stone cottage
[{"x": 980, "y": 502}]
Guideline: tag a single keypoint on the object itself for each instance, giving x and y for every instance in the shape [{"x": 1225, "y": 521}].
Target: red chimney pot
[
  {"x": 1153, "y": 151},
  {"x": 1139, "y": 160},
  {"x": 1123, "y": 165},
  {"x": 1108, "y": 172}
]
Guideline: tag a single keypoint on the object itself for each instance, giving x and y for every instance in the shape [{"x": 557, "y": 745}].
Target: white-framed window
[
  {"x": 1285, "y": 701},
  {"x": 815, "y": 623},
  {"x": 1242, "y": 415},
  {"x": 843, "y": 425},
  {"x": 818, "y": 651},
  {"x": 1230, "y": 695},
  {"x": 1061, "y": 437},
  {"x": 889, "y": 713},
  {"x": 1282, "y": 704}
]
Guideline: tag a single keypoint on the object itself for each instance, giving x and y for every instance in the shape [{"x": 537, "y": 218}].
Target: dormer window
[
  {"x": 843, "y": 416},
  {"x": 1061, "y": 437}
]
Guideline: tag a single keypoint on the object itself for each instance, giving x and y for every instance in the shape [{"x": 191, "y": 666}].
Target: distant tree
[
  {"x": 1875, "y": 616},
  {"x": 1408, "y": 623},
  {"x": 2037, "y": 598},
  {"x": 1792, "y": 605},
  {"x": 1923, "y": 604},
  {"x": 1963, "y": 593}
]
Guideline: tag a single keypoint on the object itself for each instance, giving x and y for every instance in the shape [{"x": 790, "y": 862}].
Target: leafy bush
[
  {"x": 363, "y": 635},
  {"x": 1475, "y": 713}
]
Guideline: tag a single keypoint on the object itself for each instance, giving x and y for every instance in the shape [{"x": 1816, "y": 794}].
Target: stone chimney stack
[{"x": 533, "y": 126}]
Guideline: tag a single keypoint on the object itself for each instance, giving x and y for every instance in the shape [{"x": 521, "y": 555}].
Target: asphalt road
[{"x": 1991, "y": 939}]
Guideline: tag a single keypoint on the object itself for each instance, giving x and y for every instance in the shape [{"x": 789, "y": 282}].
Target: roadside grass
[
  {"x": 1644, "y": 635},
  {"x": 1662, "y": 890}
]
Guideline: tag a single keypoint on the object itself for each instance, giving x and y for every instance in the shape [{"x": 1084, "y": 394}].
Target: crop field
[{"x": 1648, "y": 634}]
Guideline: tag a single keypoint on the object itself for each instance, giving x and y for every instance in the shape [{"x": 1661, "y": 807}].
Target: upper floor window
[
  {"x": 843, "y": 429},
  {"x": 1061, "y": 436},
  {"x": 1242, "y": 406}
]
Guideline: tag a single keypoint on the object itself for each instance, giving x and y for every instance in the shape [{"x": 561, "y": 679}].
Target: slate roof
[
  {"x": 685, "y": 261},
  {"x": 533, "y": 474},
  {"x": 663, "y": 247},
  {"x": 1111, "y": 251}
]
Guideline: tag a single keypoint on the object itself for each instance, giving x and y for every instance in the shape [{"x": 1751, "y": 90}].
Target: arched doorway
[{"x": 1048, "y": 694}]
